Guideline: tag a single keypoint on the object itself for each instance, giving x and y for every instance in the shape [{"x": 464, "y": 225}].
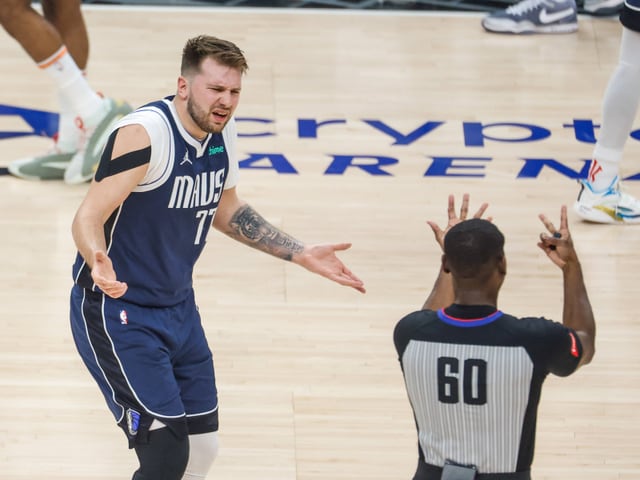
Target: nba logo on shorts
[
  {"x": 133, "y": 420},
  {"x": 123, "y": 317}
]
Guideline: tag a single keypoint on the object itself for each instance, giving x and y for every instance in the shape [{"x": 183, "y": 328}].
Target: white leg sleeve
[
  {"x": 203, "y": 449},
  {"x": 620, "y": 105}
]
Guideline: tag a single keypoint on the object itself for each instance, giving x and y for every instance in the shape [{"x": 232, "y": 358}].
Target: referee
[{"x": 474, "y": 373}]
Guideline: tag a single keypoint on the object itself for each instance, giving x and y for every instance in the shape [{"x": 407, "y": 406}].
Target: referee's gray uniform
[{"x": 473, "y": 376}]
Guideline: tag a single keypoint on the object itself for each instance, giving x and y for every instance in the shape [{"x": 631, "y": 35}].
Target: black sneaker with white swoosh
[{"x": 534, "y": 16}]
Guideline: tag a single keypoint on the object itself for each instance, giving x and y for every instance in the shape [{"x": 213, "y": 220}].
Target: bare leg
[
  {"x": 32, "y": 31},
  {"x": 66, "y": 17},
  {"x": 58, "y": 43},
  {"x": 601, "y": 199}
]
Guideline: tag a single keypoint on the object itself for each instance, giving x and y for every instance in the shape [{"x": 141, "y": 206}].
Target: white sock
[
  {"x": 619, "y": 108},
  {"x": 68, "y": 132},
  {"x": 72, "y": 86}
]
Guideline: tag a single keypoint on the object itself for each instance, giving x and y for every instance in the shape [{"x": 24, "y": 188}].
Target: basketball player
[
  {"x": 601, "y": 199},
  {"x": 474, "y": 373},
  {"x": 58, "y": 44},
  {"x": 169, "y": 170}
]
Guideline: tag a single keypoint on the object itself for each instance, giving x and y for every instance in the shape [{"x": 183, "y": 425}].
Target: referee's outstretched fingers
[{"x": 556, "y": 242}]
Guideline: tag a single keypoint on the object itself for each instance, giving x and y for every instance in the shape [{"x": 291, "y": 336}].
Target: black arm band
[{"x": 108, "y": 166}]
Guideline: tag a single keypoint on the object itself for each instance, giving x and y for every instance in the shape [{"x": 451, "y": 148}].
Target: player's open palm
[
  {"x": 322, "y": 259},
  {"x": 104, "y": 276}
]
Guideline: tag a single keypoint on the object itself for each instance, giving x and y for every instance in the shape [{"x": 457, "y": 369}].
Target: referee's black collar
[
  {"x": 469, "y": 315},
  {"x": 470, "y": 311}
]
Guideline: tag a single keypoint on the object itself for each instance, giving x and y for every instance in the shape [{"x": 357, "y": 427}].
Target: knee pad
[
  {"x": 203, "y": 450},
  {"x": 164, "y": 457}
]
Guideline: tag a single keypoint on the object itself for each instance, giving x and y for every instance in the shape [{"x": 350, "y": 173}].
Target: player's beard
[{"x": 202, "y": 118}]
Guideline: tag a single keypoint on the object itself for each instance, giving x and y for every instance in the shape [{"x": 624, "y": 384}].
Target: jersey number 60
[{"x": 473, "y": 379}]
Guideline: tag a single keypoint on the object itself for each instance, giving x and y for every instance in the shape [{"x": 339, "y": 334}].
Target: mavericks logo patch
[{"x": 133, "y": 422}]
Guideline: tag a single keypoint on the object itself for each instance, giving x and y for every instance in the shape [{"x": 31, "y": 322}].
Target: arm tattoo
[{"x": 249, "y": 227}]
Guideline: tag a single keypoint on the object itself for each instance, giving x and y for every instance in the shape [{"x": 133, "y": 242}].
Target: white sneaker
[
  {"x": 85, "y": 161},
  {"x": 534, "y": 16},
  {"x": 611, "y": 205},
  {"x": 602, "y": 8},
  {"x": 50, "y": 166}
]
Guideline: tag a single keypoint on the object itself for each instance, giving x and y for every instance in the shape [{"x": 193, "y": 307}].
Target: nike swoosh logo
[{"x": 554, "y": 16}]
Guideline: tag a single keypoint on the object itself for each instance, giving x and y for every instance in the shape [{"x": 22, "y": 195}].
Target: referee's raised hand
[
  {"x": 557, "y": 242},
  {"x": 453, "y": 218}
]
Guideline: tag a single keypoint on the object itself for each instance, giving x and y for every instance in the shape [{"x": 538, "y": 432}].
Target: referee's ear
[
  {"x": 445, "y": 264},
  {"x": 502, "y": 265}
]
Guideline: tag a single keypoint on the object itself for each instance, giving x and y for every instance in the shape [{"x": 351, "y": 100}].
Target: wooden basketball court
[{"x": 310, "y": 386}]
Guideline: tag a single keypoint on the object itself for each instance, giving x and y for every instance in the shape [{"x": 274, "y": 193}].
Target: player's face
[{"x": 213, "y": 95}]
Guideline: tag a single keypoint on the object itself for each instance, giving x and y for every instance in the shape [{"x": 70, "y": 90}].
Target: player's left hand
[{"x": 322, "y": 259}]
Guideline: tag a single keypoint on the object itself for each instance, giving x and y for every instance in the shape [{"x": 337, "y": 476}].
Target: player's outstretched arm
[
  {"x": 577, "y": 312},
  {"x": 241, "y": 222}
]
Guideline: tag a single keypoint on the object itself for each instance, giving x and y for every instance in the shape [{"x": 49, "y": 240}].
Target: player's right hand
[{"x": 104, "y": 276}]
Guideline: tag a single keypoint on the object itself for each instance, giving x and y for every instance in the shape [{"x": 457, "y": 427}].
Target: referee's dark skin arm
[
  {"x": 557, "y": 245},
  {"x": 442, "y": 295},
  {"x": 577, "y": 313}
]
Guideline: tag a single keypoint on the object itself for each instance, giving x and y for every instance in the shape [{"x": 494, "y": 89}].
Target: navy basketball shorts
[
  {"x": 150, "y": 363},
  {"x": 630, "y": 16}
]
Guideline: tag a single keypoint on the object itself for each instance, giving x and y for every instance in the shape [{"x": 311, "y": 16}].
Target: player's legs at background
[
  {"x": 546, "y": 16},
  {"x": 66, "y": 17},
  {"x": 22, "y": 22},
  {"x": 534, "y": 16},
  {"x": 84, "y": 114},
  {"x": 43, "y": 41},
  {"x": 601, "y": 199}
]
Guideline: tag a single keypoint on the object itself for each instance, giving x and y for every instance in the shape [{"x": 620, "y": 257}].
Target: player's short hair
[
  {"x": 206, "y": 46},
  {"x": 472, "y": 245}
]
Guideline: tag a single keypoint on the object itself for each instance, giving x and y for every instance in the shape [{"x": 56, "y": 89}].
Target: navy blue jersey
[
  {"x": 474, "y": 376},
  {"x": 156, "y": 235}
]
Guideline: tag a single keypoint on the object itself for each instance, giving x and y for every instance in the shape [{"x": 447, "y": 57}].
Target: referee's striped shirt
[{"x": 473, "y": 376}]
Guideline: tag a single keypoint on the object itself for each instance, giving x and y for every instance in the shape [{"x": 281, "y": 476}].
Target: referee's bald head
[{"x": 472, "y": 246}]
